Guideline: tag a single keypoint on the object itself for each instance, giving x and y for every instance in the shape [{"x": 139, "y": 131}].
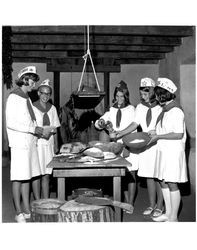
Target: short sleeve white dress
[
  {"x": 46, "y": 147},
  {"x": 147, "y": 157},
  {"x": 20, "y": 129},
  {"x": 170, "y": 164}
]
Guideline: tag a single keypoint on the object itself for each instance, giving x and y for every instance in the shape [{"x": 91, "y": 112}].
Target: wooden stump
[
  {"x": 73, "y": 211},
  {"x": 45, "y": 210}
]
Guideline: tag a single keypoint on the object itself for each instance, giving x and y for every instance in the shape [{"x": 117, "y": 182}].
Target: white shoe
[
  {"x": 27, "y": 216},
  {"x": 161, "y": 218},
  {"x": 148, "y": 211},
  {"x": 20, "y": 218}
]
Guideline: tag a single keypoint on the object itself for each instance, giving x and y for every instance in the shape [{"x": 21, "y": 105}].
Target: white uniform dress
[
  {"x": 46, "y": 147},
  {"x": 147, "y": 158},
  {"x": 170, "y": 159},
  {"x": 128, "y": 115},
  {"x": 20, "y": 129}
]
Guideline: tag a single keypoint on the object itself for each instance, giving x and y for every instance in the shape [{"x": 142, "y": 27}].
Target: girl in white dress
[
  {"x": 46, "y": 115},
  {"x": 146, "y": 114},
  {"x": 120, "y": 115},
  {"x": 22, "y": 130},
  {"x": 170, "y": 134}
]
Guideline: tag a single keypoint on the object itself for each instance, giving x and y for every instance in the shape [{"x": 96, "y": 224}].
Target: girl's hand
[
  {"x": 46, "y": 136},
  {"x": 38, "y": 131},
  {"x": 118, "y": 134},
  {"x": 101, "y": 123},
  {"x": 152, "y": 132}
]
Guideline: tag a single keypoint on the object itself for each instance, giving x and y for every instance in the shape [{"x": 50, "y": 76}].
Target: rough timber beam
[
  {"x": 97, "y": 47},
  {"x": 100, "y": 61},
  {"x": 41, "y": 54},
  {"x": 118, "y": 30},
  {"x": 79, "y": 39},
  {"x": 78, "y": 68},
  {"x": 119, "y": 55}
]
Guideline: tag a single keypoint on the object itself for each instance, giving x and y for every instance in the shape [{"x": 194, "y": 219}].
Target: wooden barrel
[
  {"x": 45, "y": 210},
  {"x": 73, "y": 211}
]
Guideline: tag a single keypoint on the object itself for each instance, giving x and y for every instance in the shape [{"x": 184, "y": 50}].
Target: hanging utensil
[{"x": 90, "y": 98}]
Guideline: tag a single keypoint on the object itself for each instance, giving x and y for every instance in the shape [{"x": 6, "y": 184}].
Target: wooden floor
[{"x": 187, "y": 210}]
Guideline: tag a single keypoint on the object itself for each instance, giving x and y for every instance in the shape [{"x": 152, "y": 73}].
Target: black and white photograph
[{"x": 98, "y": 126}]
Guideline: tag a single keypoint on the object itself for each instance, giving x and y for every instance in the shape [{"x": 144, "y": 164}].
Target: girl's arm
[
  {"x": 105, "y": 117},
  {"x": 169, "y": 136},
  {"x": 133, "y": 126}
]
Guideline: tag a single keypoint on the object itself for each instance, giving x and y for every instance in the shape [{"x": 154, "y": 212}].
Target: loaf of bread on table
[
  {"x": 94, "y": 152},
  {"x": 115, "y": 147}
]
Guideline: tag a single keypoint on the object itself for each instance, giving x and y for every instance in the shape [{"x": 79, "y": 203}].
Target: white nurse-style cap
[
  {"x": 147, "y": 82},
  {"x": 45, "y": 83},
  {"x": 167, "y": 84},
  {"x": 28, "y": 70}
]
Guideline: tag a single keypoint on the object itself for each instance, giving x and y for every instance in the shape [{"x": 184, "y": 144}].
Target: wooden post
[
  {"x": 56, "y": 77},
  {"x": 61, "y": 188},
  {"x": 106, "y": 89},
  {"x": 117, "y": 196}
]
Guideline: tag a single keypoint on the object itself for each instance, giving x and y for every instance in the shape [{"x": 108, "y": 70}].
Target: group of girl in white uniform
[
  {"x": 32, "y": 147},
  {"x": 163, "y": 164}
]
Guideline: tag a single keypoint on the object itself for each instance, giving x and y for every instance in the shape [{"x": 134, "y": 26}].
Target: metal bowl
[{"x": 136, "y": 141}]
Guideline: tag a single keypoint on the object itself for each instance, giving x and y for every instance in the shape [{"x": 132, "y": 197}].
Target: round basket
[
  {"x": 45, "y": 210},
  {"x": 136, "y": 142},
  {"x": 73, "y": 211}
]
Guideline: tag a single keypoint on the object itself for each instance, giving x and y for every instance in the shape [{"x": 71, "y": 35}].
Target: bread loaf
[
  {"x": 115, "y": 147},
  {"x": 94, "y": 152}
]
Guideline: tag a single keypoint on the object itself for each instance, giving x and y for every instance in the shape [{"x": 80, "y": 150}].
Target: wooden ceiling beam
[
  {"x": 100, "y": 30},
  {"x": 97, "y": 47},
  {"x": 135, "y": 61},
  {"x": 78, "y": 68},
  {"x": 140, "y": 55},
  {"x": 119, "y": 55},
  {"x": 31, "y": 59},
  {"x": 43, "y": 54},
  {"x": 80, "y": 60},
  {"x": 60, "y": 54},
  {"x": 116, "y": 62},
  {"x": 79, "y": 39}
]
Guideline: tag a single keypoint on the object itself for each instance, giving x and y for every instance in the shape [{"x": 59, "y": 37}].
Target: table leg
[
  {"x": 117, "y": 196},
  {"x": 61, "y": 188}
]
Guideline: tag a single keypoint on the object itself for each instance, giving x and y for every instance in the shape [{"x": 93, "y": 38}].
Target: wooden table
[{"x": 115, "y": 168}]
